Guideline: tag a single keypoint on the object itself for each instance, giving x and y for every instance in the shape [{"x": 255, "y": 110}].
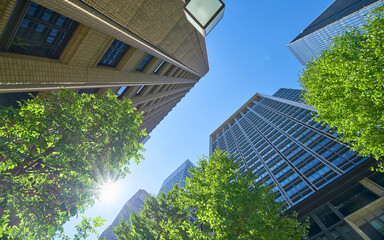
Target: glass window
[
  {"x": 327, "y": 216},
  {"x": 314, "y": 228},
  {"x": 121, "y": 90},
  {"x": 140, "y": 90},
  {"x": 378, "y": 178},
  {"x": 114, "y": 54},
  {"x": 88, "y": 90},
  {"x": 144, "y": 63},
  {"x": 42, "y": 33},
  {"x": 378, "y": 225},
  {"x": 12, "y": 99},
  {"x": 353, "y": 199},
  {"x": 157, "y": 70}
]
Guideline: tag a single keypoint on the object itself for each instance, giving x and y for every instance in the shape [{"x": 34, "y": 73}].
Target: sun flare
[{"x": 109, "y": 192}]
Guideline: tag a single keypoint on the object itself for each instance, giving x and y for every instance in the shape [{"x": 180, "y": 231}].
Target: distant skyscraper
[
  {"x": 134, "y": 204},
  {"x": 275, "y": 138},
  {"x": 337, "y": 18},
  {"x": 177, "y": 177}
]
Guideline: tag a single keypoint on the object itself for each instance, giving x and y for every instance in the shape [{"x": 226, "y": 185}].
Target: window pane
[
  {"x": 144, "y": 63},
  {"x": 159, "y": 67},
  {"x": 42, "y": 33},
  {"x": 88, "y": 90},
  {"x": 114, "y": 54}
]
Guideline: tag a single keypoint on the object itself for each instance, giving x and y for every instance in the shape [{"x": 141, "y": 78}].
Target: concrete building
[
  {"x": 177, "y": 177},
  {"x": 306, "y": 166},
  {"x": 337, "y": 18},
  {"x": 134, "y": 204},
  {"x": 143, "y": 50}
]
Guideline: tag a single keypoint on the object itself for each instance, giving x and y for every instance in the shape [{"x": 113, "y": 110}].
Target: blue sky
[{"x": 247, "y": 54}]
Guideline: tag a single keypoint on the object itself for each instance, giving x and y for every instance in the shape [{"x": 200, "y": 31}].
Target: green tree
[
  {"x": 56, "y": 151},
  {"x": 229, "y": 205},
  {"x": 84, "y": 228},
  {"x": 162, "y": 217},
  {"x": 345, "y": 85},
  {"x": 218, "y": 202}
]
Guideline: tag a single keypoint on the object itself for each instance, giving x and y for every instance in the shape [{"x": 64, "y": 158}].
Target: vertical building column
[
  {"x": 225, "y": 140},
  {"x": 322, "y": 226},
  {"x": 293, "y": 167},
  {"x": 237, "y": 145},
  {"x": 341, "y": 216},
  {"x": 357, "y": 230},
  {"x": 218, "y": 142},
  {"x": 321, "y": 132},
  {"x": 210, "y": 146},
  {"x": 307, "y": 149},
  {"x": 282, "y": 192}
]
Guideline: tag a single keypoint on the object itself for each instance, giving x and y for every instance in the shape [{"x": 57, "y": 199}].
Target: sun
[{"x": 109, "y": 191}]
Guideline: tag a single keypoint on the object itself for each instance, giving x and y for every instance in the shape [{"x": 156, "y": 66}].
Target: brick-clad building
[{"x": 144, "y": 50}]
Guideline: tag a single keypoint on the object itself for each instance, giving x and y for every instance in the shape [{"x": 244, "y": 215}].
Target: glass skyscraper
[
  {"x": 303, "y": 161},
  {"x": 276, "y": 139},
  {"x": 177, "y": 177},
  {"x": 337, "y": 18}
]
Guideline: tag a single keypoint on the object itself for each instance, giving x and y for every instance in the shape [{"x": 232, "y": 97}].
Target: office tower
[
  {"x": 143, "y": 50},
  {"x": 337, "y": 18},
  {"x": 177, "y": 177},
  {"x": 305, "y": 165},
  {"x": 134, "y": 204}
]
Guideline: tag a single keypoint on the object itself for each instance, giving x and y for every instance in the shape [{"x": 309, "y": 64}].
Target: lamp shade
[{"x": 204, "y": 14}]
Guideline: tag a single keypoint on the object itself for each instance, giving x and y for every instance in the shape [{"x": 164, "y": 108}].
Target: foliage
[
  {"x": 162, "y": 217},
  {"x": 345, "y": 85},
  {"x": 56, "y": 151},
  {"x": 86, "y": 226},
  {"x": 218, "y": 202},
  {"x": 229, "y": 205}
]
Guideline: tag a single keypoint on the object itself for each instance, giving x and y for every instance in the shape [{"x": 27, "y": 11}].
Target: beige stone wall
[
  {"x": 6, "y": 7},
  {"x": 161, "y": 24}
]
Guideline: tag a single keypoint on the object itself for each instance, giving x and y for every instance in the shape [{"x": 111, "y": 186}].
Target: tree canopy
[
  {"x": 345, "y": 85},
  {"x": 56, "y": 151},
  {"x": 162, "y": 217},
  {"x": 218, "y": 202}
]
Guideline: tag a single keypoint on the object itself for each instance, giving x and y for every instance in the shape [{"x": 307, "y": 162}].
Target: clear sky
[{"x": 247, "y": 54}]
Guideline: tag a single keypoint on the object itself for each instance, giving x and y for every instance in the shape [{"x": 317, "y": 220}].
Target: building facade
[
  {"x": 337, "y": 18},
  {"x": 177, "y": 177},
  {"x": 134, "y": 204},
  {"x": 143, "y": 50},
  {"x": 304, "y": 163}
]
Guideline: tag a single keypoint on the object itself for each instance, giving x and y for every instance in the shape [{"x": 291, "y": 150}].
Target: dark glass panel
[
  {"x": 114, "y": 54},
  {"x": 42, "y": 33},
  {"x": 354, "y": 199},
  {"x": 371, "y": 232},
  {"x": 12, "y": 99},
  {"x": 144, "y": 63},
  {"x": 327, "y": 216},
  {"x": 88, "y": 90},
  {"x": 122, "y": 92},
  {"x": 378, "y": 178},
  {"x": 313, "y": 228}
]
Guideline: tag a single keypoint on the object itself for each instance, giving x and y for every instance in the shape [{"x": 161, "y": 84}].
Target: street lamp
[{"x": 204, "y": 14}]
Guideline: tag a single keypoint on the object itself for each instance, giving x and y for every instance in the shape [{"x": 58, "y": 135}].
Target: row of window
[
  {"x": 270, "y": 130},
  {"x": 310, "y": 46},
  {"x": 289, "y": 94},
  {"x": 45, "y": 33}
]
